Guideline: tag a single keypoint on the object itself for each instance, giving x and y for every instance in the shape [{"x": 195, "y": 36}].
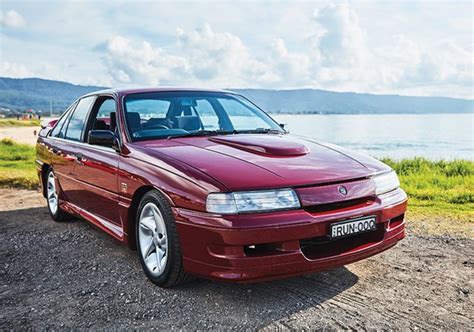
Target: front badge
[{"x": 343, "y": 190}]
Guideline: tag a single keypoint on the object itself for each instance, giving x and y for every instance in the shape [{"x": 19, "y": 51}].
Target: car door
[
  {"x": 96, "y": 169},
  {"x": 66, "y": 145},
  {"x": 63, "y": 156}
]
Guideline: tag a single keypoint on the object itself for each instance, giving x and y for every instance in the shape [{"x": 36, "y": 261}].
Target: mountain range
[{"x": 19, "y": 94}]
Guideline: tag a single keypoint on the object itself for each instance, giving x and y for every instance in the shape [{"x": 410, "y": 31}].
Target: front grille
[{"x": 352, "y": 203}]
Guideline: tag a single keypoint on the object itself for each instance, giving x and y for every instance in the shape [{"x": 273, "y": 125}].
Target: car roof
[{"x": 127, "y": 91}]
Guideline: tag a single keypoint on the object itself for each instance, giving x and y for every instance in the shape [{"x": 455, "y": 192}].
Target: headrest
[
  {"x": 134, "y": 121},
  {"x": 100, "y": 124},
  {"x": 188, "y": 122}
]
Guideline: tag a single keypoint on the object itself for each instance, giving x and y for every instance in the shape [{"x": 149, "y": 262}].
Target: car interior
[{"x": 181, "y": 117}]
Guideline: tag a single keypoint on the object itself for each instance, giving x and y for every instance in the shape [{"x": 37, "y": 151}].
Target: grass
[
  {"x": 17, "y": 165},
  {"x": 439, "y": 191},
  {"x": 19, "y": 123}
]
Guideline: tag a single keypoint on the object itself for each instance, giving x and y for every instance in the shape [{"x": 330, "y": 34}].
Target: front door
[{"x": 96, "y": 169}]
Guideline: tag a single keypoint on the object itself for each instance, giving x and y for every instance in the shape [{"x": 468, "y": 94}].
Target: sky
[{"x": 385, "y": 47}]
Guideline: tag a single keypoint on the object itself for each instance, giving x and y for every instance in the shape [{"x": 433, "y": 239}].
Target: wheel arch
[{"x": 132, "y": 211}]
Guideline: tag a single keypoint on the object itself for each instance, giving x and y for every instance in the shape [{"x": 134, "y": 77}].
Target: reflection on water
[{"x": 434, "y": 136}]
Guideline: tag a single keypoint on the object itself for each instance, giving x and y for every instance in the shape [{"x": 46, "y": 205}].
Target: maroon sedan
[{"x": 205, "y": 183}]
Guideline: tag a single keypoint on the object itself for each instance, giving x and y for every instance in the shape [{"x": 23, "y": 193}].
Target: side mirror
[
  {"x": 282, "y": 126},
  {"x": 48, "y": 124},
  {"x": 101, "y": 137}
]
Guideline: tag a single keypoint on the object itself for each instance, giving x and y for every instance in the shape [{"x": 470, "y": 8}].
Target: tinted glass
[
  {"x": 78, "y": 119},
  {"x": 59, "y": 128},
  {"x": 155, "y": 115}
]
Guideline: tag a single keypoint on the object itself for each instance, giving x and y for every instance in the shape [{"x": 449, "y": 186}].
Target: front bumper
[{"x": 254, "y": 247}]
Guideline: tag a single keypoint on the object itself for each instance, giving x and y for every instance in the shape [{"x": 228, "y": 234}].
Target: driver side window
[{"x": 103, "y": 115}]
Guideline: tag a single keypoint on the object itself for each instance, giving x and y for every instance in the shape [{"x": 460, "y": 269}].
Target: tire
[
  {"x": 157, "y": 240},
  {"x": 52, "y": 198}
]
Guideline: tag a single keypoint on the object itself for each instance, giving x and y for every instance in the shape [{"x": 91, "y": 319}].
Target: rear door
[
  {"x": 63, "y": 150},
  {"x": 96, "y": 169}
]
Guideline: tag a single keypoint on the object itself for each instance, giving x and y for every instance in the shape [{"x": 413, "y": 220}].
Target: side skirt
[{"x": 105, "y": 225}]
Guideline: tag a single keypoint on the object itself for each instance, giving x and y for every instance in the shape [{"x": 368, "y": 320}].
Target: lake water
[{"x": 434, "y": 136}]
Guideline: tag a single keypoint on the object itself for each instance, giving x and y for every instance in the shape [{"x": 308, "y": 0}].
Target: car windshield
[{"x": 154, "y": 115}]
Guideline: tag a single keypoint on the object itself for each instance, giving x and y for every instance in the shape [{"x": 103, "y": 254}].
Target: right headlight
[
  {"x": 386, "y": 182},
  {"x": 252, "y": 201}
]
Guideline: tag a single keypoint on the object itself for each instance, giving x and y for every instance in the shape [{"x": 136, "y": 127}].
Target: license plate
[{"x": 351, "y": 227}]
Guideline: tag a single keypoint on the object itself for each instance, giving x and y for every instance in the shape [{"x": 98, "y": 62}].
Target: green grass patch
[
  {"x": 19, "y": 123},
  {"x": 444, "y": 189},
  {"x": 17, "y": 165}
]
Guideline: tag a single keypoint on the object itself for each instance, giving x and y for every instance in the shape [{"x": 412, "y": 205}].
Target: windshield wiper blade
[
  {"x": 202, "y": 133},
  {"x": 259, "y": 131}
]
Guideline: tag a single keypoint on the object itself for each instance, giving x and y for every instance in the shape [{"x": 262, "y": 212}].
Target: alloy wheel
[
  {"x": 52, "y": 193},
  {"x": 153, "y": 241}
]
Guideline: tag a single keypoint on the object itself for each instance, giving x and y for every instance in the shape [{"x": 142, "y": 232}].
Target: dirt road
[
  {"x": 25, "y": 135},
  {"x": 72, "y": 275}
]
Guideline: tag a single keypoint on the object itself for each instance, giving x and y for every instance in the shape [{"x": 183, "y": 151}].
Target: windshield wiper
[
  {"x": 227, "y": 132},
  {"x": 259, "y": 131},
  {"x": 202, "y": 133}
]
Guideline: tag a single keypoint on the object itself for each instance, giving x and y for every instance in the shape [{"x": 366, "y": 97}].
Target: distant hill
[
  {"x": 20, "y": 94},
  {"x": 329, "y": 102},
  {"x": 23, "y": 93}
]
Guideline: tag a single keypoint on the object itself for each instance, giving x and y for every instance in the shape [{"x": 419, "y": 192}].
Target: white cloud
[
  {"x": 10, "y": 69},
  {"x": 130, "y": 63},
  {"x": 12, "y": 19},
  {"x": 382, "y": 47},
  {"x": 201, "y": 56},
  {"x": 343, "y": 40}
]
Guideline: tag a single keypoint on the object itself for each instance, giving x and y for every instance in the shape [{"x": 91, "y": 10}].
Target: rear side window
[
  {"x": 107, "y": 107},
  {"x": 58, "y": 130},
  {"x": 78, "y": 119}
]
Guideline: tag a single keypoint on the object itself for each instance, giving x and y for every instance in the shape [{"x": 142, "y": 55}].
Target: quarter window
[
  {"x": 78, "y": 119},
  {"x": 59, "y": 128}
]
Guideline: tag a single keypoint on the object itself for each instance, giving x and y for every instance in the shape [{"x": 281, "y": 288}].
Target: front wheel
[
  {"x": 52, "y": 198},
  {"x": 158, "y": 249}
]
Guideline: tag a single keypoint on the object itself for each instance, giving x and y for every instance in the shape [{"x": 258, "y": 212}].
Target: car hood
[{"x": 256, "y": 161}]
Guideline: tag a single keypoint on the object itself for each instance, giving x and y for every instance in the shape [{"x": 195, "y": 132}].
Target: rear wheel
[
  {"x": 158, "y": 249},
  {"x": 52, "y": 198}
]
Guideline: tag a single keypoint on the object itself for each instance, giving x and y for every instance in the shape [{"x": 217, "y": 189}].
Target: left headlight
[
  {"x": 252, "y": 201},
  {"x": 386, "y": 182}
]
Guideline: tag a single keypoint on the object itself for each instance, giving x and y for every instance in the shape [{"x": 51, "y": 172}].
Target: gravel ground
[{"x": 71, "y": 275}]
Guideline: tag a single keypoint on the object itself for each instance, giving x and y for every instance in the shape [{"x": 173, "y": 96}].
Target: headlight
[
  {"x": 386, "y": 182},
  {"x": 252, "y": 201}
]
